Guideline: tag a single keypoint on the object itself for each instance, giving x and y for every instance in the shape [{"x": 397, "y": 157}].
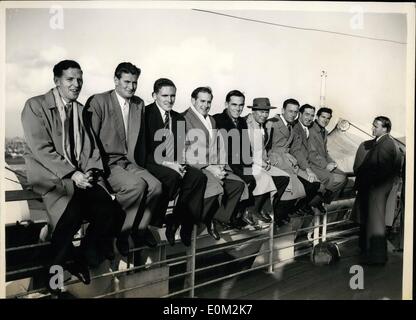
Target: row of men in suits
[{"x": 108, "y": 164}]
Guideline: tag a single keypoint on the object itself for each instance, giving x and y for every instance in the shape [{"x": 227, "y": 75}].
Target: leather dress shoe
[
  {"x": 170, "y": 233},
  {"x": 186, "y": 236},
  {"x": 320, "y": 207},
  {"x": 247, "y": 218},
  {"x": 237, "y": 223},
  {"x": 80, "y": 270},
  {"x": 263, "y": 216},
  {"x": 212, "y": 230},
  {"x": 307, "y": 211},
  {"x": 144, "y": 237},
  {"x": 123, "y": 246}
]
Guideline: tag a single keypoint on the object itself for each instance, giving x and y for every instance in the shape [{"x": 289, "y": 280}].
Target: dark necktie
[
  {"x": 323, "y": 133},
  {"x": 170, "y": 144},
  {"x": 71, "y": 136},
  {"x": 289, "y": 127},
  {"x": 166, "y": 120},
  {"x": 265, "y": 137}
]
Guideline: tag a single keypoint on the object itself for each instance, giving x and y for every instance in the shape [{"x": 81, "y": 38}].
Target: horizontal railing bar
[
  {"x": 254, "y": 239},
  {"x": 232, "y": 275},
  {"x": 329, "y": 235},
  {"x": 239, "y": 273},
  {"x": 115, "y": 273},
  {"x": 142, "y": 285},
  {"x": 232, "y": 261}
]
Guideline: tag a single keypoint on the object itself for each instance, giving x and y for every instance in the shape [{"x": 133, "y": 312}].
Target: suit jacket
[
  {"x": 213, "y": 152},
  {"x": 47, "y": 170},
  {"x": 299, "y": 148},
  {"x": 106, "y": 118},
  {"x": 154, "y": 122},
  {"x": 241, "y": 157},
  {"x": 380, "y": 164},
  {"x": 318, "y": 151},
  {"x": 279, "y": 141},
  {"x": 213, "y": 149}
]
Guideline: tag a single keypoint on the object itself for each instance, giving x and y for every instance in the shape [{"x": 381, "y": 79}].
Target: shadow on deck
[{"x": 301, "y": 280}]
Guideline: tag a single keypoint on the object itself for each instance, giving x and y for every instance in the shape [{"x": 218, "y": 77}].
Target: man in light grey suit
[
  {"x": 117, "y": 118},
  {"x": 206, "y": 151},
  {"x": 64, "y": 166}
]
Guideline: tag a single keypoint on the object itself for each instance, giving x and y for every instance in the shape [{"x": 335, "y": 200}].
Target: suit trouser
[
  {"x": 132, "y": 185},
  {"x": 373, "y": 202},
  {"x": 233, "y": 190},
  {"x": 252, "y": 201},
  {"x": 284, "y": 208},
  {"x": 311, "y": 190},
  {"x": 190, "y": 190},
  {"x": 333, "y": 182},
  {"x": 93, "y": 205}
]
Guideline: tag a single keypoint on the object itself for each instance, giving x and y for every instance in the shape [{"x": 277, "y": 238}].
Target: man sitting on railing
[
  {"x": 64, "y": 166},
  {"x": 300, "y": 147},
  {"x": 271, "y": 181},
  {"x": 118, "y": 122},
  {"x": 206, "y": 151},
  {"x": 300, "y": 192},
  {"x": 240, "y": 159},
  {"x": 333, "y": 179},
  {"x": 165, "y": 143}
]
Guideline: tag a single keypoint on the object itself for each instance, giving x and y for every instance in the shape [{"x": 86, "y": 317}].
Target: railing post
[
  {"x": 271, "y": 246},
  {"x": 190, "y": 264},
  {"x": 316, "y": 229},
  {"x": 324, "y": 226}
]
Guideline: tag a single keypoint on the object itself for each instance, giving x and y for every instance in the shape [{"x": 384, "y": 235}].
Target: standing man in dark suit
[
  {"x": 64, "y": 165},
  {"x": 374, "y": 181},
  {"x": 206, "y": 151},
  {"x": 117, "y": 118},
  {"x": 168, "y": 164},
  {"x": 333, "y": 179}
]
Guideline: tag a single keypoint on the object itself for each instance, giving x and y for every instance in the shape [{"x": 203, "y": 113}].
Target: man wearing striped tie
[{"x": 165, "y": 143}]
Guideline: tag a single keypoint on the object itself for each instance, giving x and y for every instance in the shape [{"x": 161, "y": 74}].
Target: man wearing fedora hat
[
  {"x": 260, "y": 184},
  {"x": 269, "y": 178},
  {"x": 281, "y": 135}
]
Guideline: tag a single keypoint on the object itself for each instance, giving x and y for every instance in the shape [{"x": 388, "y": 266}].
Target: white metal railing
[{"x": 267, "y": 234}]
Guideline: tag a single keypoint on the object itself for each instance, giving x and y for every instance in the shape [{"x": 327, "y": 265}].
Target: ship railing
[{"x": 266, "y": 237}]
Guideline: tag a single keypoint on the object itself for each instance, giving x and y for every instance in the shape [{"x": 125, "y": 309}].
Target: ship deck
[{"x": 302, "y": 280}]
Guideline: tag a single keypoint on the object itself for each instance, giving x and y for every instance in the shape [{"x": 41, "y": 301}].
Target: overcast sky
[{"x": 366, "y": 78}]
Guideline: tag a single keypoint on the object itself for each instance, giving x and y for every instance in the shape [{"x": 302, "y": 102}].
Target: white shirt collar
[
  {"x": 305, "y": 128},
  {"x": 121, "y": 100},
  {"x": 381, "y": 136},
  {"x": 161, "y": 110},
  {"x": 283, "y": 119},
  {"x": 206, "y": 121}
]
